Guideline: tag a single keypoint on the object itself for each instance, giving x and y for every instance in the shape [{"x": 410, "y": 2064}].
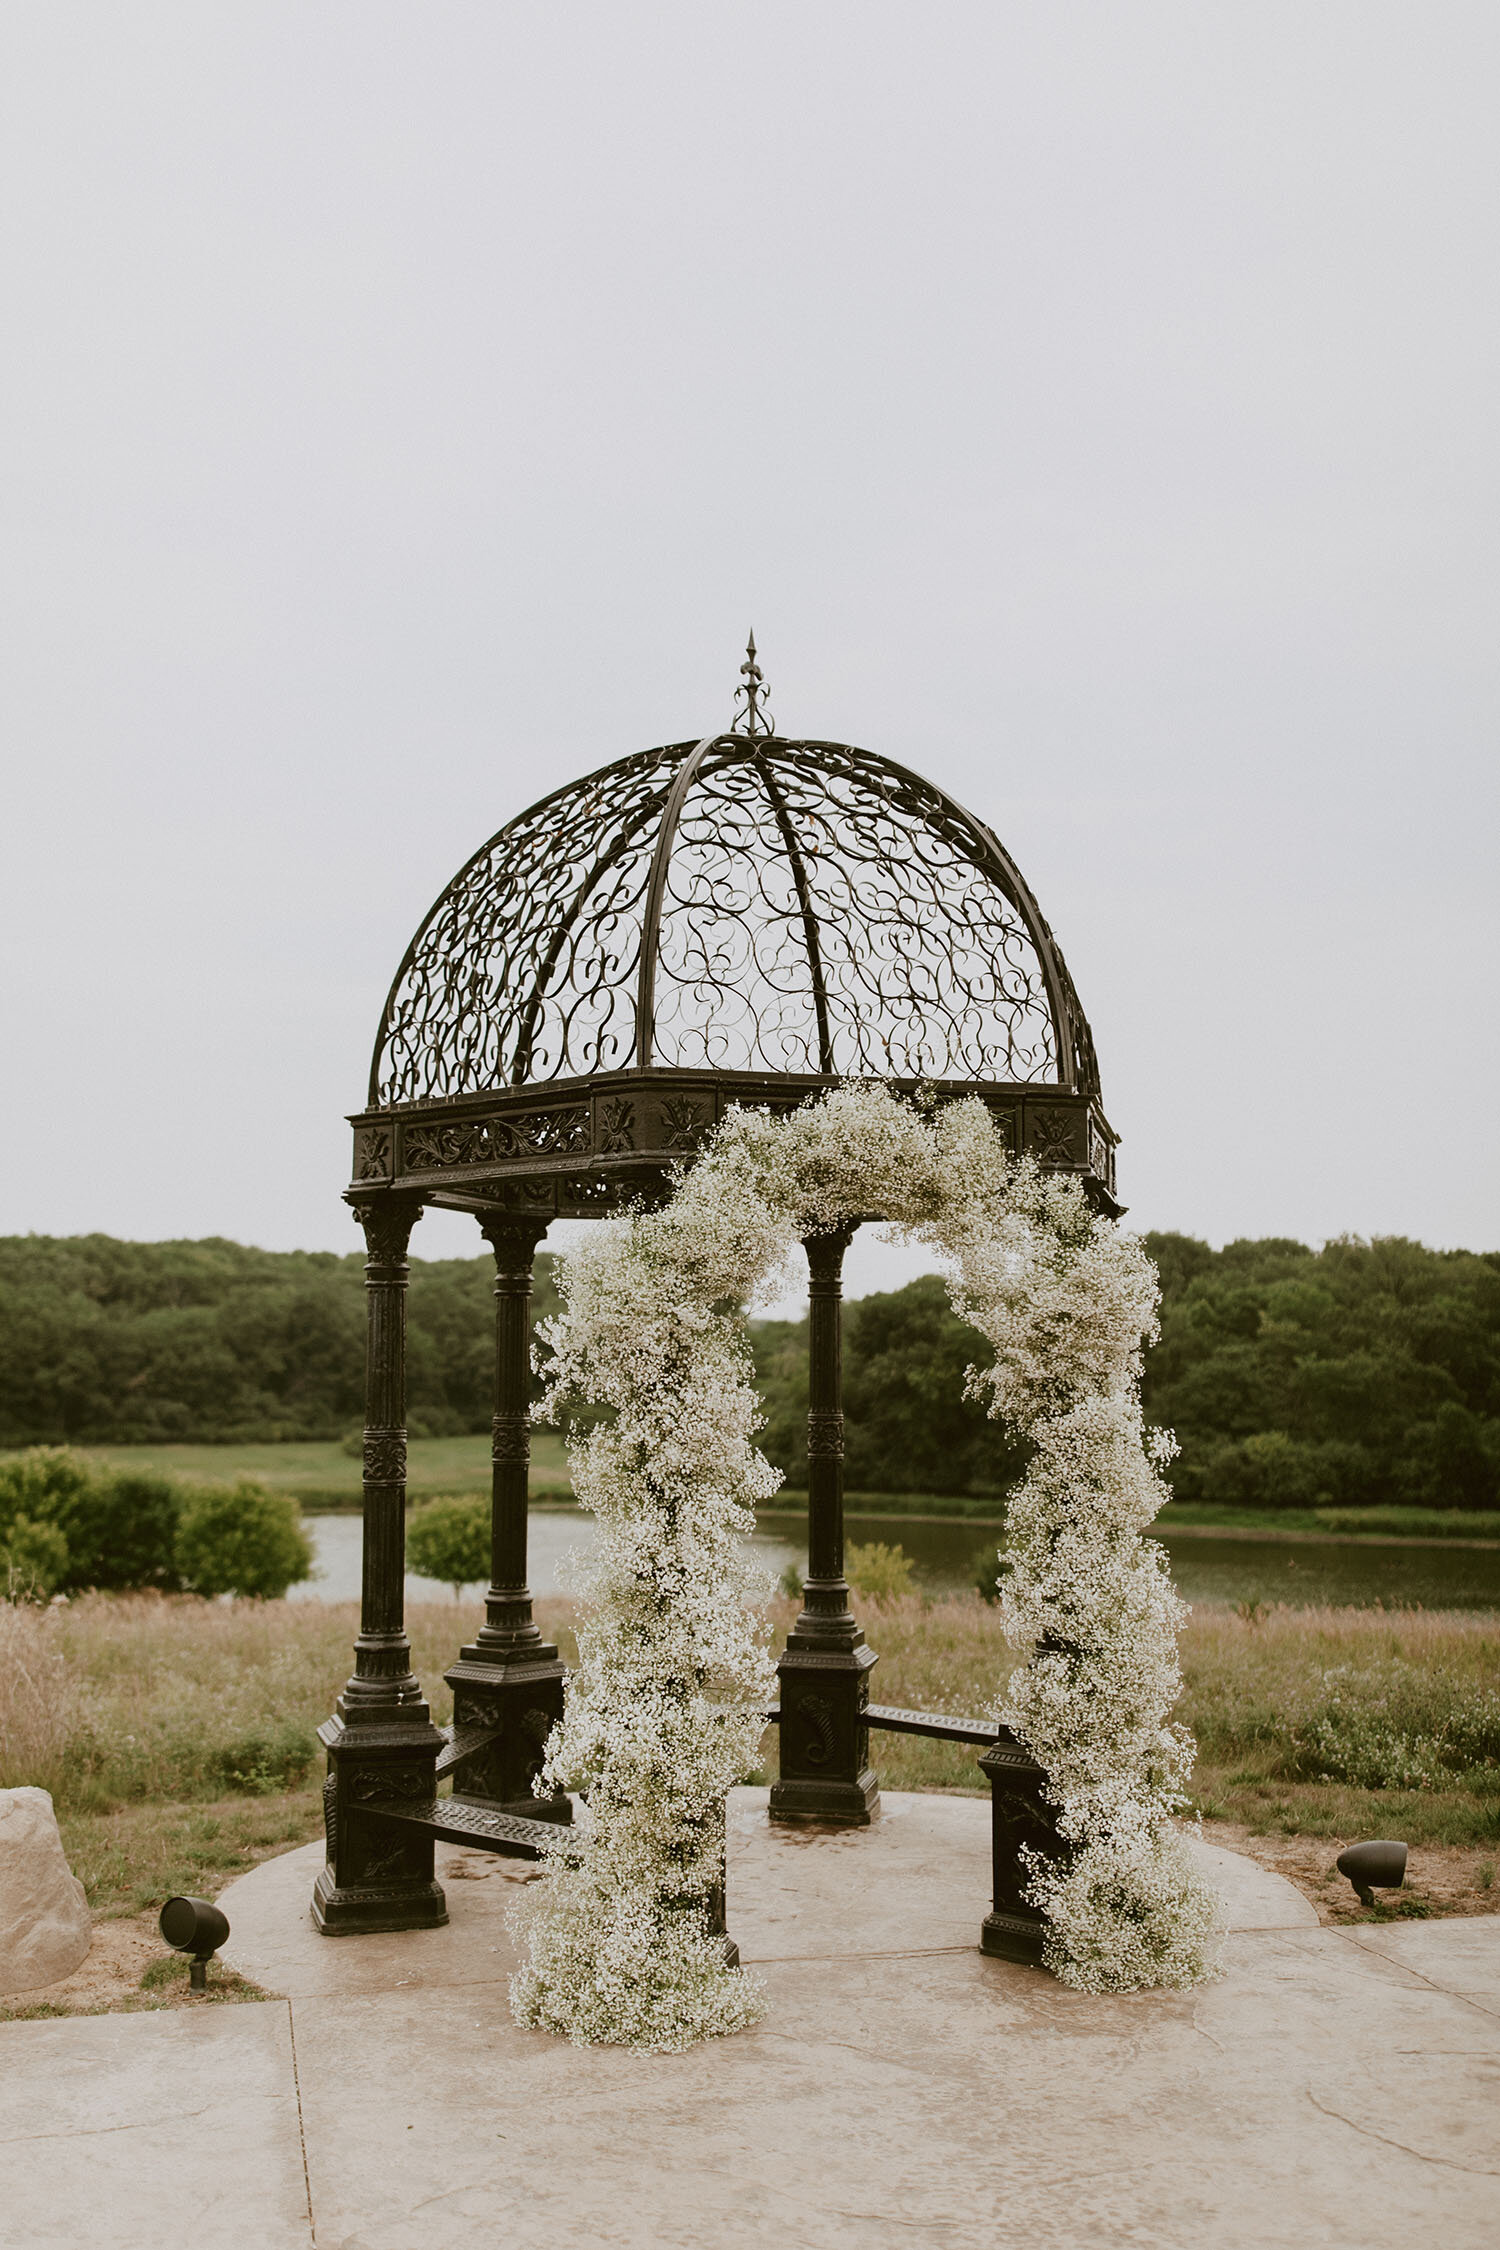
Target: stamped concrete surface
[{"x": 1335, "y": 2086}]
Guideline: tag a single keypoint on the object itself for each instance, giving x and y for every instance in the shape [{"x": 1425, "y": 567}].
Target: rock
[{"x": 45, "y": 1924}]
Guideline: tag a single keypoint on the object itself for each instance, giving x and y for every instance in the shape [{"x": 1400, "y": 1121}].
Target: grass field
[
  {"x": 324, "y": 1475},
  {"x": 176, "y": 1736}
]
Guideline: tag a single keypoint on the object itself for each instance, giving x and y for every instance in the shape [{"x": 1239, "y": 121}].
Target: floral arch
[{"x": 665, "y": 1709}]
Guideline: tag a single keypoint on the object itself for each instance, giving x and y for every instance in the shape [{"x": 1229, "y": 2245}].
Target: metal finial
[{"x": 755, "y": 718}]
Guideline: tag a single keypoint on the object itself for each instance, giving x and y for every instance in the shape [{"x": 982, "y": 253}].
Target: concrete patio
[{"x": 1335, "y": 2087}]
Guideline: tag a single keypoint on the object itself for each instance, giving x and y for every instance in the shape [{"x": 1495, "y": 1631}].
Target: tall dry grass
[
  {"x": 128, "y": 1700},
  {"x": 117, "y": 1699}
]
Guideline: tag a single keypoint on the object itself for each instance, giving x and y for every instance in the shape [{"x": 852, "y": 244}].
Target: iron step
[
  {"x": 462, "y": 1742},
  {"x": 456, "y": 1823},
  {"x": 936, "y": 1725}
]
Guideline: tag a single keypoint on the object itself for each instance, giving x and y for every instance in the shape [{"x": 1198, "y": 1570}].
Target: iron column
[
  {"x": 381, "y": 1743},
  {"x": 824, "y": 1674}
]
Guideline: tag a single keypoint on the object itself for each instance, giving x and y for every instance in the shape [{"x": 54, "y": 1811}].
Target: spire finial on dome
[{"x": 755, "y": 718}]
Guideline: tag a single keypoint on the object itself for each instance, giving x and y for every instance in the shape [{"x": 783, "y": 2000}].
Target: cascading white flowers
[{"x": 664, "y": 1710}]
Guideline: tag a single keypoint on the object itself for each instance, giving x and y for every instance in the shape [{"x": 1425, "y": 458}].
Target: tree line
[
  {"x": 1362, "y": 1373},
  {"x": 128, "y": 1343}
]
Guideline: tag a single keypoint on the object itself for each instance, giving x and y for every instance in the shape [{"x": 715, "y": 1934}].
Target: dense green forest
[
  {"x": 1362, "y": 1373},
  {"x": 108, "y": 1342}
]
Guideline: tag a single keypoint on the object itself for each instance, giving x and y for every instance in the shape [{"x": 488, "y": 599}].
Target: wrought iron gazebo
[{"x": 745, "y": 918}]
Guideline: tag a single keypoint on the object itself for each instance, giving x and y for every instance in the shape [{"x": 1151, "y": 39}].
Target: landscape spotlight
[
  {"x": 196, "y": 1927},
  {"x": 1373, "y": 1867}
]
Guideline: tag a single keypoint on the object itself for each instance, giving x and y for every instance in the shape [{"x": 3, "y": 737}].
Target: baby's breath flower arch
[{"x": 665, "y": 1708}]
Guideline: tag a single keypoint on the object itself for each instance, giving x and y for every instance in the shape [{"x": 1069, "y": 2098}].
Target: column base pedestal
[
  {"x": 379, "y": 1873},
  {"x": 367, "y": 1908},
  {"x": 837, "y": 1804},
  {"x": 519, "y": 1697},
  {"x": 1011, "y": 1937},
  {"x": 826, "y": 1775}
]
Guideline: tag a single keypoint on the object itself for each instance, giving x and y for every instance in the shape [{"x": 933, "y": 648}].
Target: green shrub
[
  {"x": 1392, "y": 1727},
  {"x": 265, "y": 1759},
  {"x": 880, "y": 1573},
  {"x": 33, "y": 1560},
  {"x": 449, "y": 1540},
  {"x": 119, "y": 1527},
  {"x": 987, "y": 1570},
  {"x": 241, "y": 1539}
]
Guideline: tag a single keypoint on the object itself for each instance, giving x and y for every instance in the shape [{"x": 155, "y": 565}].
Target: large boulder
[{"x": 45, "y": 1924}]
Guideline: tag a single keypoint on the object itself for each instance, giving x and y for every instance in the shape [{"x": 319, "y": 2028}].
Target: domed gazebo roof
[{"x": 744, "y": 916}]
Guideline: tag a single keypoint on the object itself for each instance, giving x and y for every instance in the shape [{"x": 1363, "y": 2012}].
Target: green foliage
[
  {"x": 987, "y": 1570},
  {"x": 1392, "y": 1726},
  {"x": 909, "y": 1427},
  {"x": 449, "y": 1540},
  {"x": 85, "y": 1525},
  {"x": 241, "y": 1539},
  {"x": 1365, "y": 1374},
  {"x": 879, "y": 1572},
  {"x": 113, "y": 1342},
  {"x": 271, "y": 1755},
  {"x": 68, "y": 1522},
  {"x": 33, "y": 1560}
]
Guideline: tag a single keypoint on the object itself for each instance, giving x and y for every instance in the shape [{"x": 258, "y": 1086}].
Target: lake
[{"x": 1302, "y": 1572}]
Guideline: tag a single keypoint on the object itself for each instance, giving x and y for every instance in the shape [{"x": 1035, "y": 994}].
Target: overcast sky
[{"x": 407, "y": 408}]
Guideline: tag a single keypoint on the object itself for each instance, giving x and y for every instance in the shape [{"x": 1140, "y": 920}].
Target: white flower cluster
[{"x": 664, "y": 1710}]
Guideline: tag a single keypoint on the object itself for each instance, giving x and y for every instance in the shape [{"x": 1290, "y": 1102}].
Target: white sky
[{"x": 408, "y": 408}]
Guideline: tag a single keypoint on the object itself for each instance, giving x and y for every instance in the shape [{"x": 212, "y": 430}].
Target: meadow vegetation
[{"x": 177, "y": 1735}]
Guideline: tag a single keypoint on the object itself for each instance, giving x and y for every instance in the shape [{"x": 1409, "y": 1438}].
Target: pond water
[{"x": 1302, "y": 1572}]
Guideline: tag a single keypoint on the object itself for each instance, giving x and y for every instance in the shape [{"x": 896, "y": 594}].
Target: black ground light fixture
[
  {"x": 196, "y": 1927},
  {"x": 1373, "y": 1867}
]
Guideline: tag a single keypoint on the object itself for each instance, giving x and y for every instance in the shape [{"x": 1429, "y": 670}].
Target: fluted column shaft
[
  {"x": 383, "y": 1685},
  {"x": 826, "y": 1615},
  {"x": 508, "y": 1622}
]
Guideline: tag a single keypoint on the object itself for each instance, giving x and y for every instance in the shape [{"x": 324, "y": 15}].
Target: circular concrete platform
[{"x": 1335, "y": 2086}]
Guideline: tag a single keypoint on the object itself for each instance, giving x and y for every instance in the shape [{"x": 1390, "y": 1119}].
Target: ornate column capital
[
  {"x": 387, "y": 1221},
  {"x": 825, "y": 1255},
  {"x": 514, "y": 1243}
]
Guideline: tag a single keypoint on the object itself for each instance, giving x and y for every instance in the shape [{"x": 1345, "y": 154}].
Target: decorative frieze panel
[
  {"x": 1007, "y": 1123},
  {"x": 372, "y": 1153},
  {"x": 619, "y": 1141},
  {"x": 615, "y": 1126},
  {"x": 497, "y": 1140},
  {"x": 385, "y": 1456},
  {"x": 1054, "y": 1136},
  {"x": 684, "y": 1123}
]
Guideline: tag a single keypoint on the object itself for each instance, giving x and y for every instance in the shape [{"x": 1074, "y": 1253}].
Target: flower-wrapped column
[
  {"x": 509, "y": 1680},
  {"x": 381, "y": 1742},
  {"x": 824, "y": 1675}
]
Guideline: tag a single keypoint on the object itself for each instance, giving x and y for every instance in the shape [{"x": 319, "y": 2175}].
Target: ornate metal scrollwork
[
  {"x": 1052, "y": 1136},
  {"x": 510, "y": 1438},
  {"x": 825, "y": 1435},
  {"x": 817, "y": 1714},
  {"x": 496, "y": 1140},
  {"x": 384, "y": 1456},
  {"x": 743, "y": 903}
]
